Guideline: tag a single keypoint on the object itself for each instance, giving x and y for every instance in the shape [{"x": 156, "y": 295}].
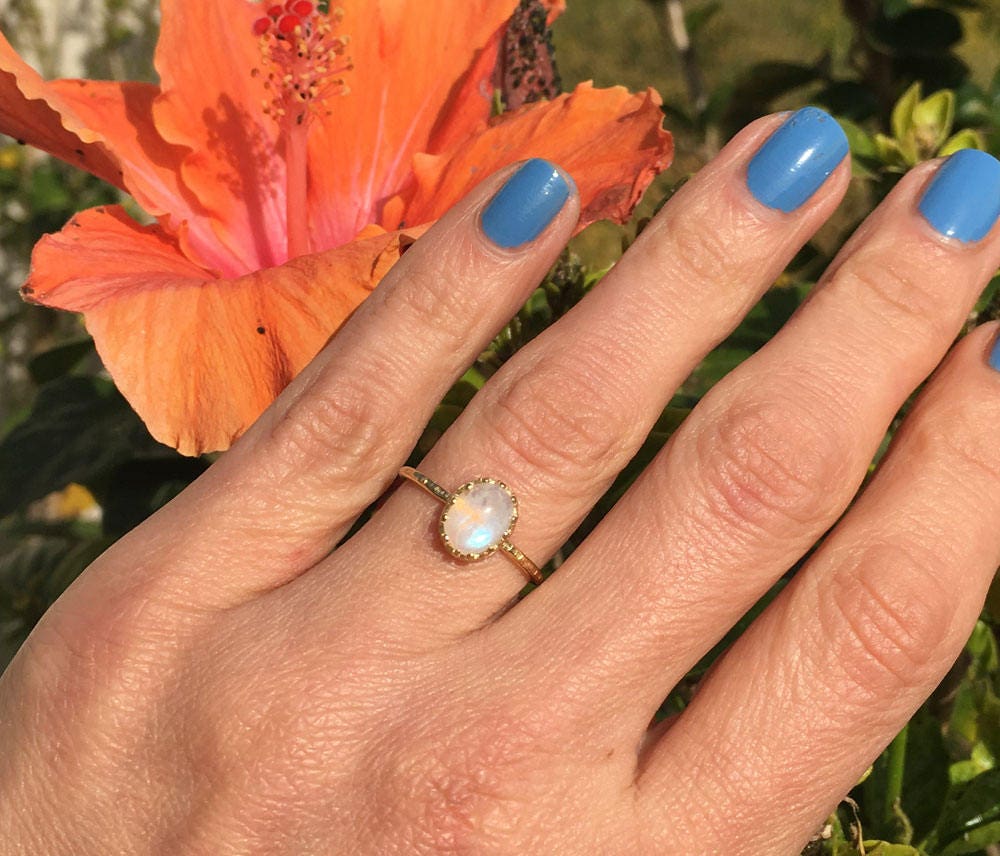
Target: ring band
[{"x": 477, "y": 519}]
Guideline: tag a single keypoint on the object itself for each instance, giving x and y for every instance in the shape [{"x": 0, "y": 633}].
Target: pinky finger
[{"x": 803, "y": 703}]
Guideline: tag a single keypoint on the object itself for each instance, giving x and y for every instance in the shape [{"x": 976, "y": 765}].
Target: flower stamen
[{"x": 303, "y": 61}]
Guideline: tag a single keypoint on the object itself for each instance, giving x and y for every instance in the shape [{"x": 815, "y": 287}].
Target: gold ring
[{"x": 477, "y": 519}]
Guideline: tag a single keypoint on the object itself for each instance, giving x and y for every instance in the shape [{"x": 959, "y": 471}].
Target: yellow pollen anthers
[{"x": 302, "y": 58}]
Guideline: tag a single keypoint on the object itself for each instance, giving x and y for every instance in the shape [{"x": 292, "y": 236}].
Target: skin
[{"x": 222, "y": 681}]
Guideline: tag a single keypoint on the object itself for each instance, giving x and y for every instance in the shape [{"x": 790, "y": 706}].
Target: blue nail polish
[
  {"x": 995, "y": 355},
  {"x": 793, "y": 164},
  {"x": 963, "y": 200},
  {"x": 526, "y": 204}
]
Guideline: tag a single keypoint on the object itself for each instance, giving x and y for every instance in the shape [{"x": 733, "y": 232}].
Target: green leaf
[
  {"x": 902, "y": 113},
  {"x": 970, "y": 806},
  {"x": 891, "y": 154},
  {"x": 937, "y": 71},
  {"x": 984, "y": 649},
  {"x": 925, "y": 782},
  {"x": 48, "y": 192},
  {"x": 895, "y": 8},
  {"x": 932, "y": 120},
  {"x": 882, "y": 848},
  {"x": 967, "y": 138},
  {"x": 140, "y": 486},
  {"x": 34, "y": 571},
  {"x": 922, "y": 31},
  {"x": 768, "y": 80},
  {"x": 975, "y": 841},
  {"x": 759, "y": 86},
  {"x": 60, "y": 360},
  {"x": 980, "y": 760},
  {"x": 849, "y": 99},
  {"x": 78, "y": 430},
  {"x": 861, "y": 142}
]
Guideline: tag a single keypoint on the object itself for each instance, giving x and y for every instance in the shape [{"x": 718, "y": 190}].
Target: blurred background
[{"x": 908, "y": 79}]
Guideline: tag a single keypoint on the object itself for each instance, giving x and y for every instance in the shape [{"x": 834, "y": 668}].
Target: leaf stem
[{"x": 895, "y": 766}]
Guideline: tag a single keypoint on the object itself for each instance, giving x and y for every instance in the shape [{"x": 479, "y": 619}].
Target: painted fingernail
[
  {"x": 526, "y": 204},
  {"x": 963, "y": 200},
  {"x": 995, "y": 355},
  {"x": 793, "y": 164}
]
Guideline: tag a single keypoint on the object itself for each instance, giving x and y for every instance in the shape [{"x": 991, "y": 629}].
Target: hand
[{"x": 220, "y": 682}]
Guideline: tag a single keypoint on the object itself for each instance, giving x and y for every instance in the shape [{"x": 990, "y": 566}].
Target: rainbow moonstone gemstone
[{"x": 479, "y": 516}]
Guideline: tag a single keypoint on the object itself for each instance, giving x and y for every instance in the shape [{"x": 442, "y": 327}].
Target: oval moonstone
[{"x": 478, "y": 517}]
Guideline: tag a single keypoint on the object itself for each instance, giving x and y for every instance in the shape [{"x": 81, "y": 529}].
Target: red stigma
[
  {"x": 302, "y": 8},
  {"x": 261, "y": 26},
  {"x": 288, "y": 23},
  {"x": 275, "y": 11}
]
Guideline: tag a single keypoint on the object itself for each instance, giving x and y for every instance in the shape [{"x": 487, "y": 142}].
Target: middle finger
[
  {"x": 564, "y": 415},
  {"x": 767, "y": 461}
]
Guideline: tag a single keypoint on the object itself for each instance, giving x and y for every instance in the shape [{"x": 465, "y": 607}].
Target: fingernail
[
  {"x": 526, "y": 204},
  {"x": 793, "y": 164},
  {"x": 995, "y": 355},
  {"x": 963, "y": 200}
]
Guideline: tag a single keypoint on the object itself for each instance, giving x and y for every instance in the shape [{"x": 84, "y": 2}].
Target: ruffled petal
[
  {"x": 107, "y": 129},
  {"x": 122, "y": 114},
  {"x": 199, "y": 358},
  {"x": 610, "y": 141},
  {"x": 212, "y": 103},
  {"x": 421, "y": 81},
  {"x": 33, "y": 113}
]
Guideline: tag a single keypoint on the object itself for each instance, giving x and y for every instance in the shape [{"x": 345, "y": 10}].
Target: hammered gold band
[{"x": 449, "y": 498}]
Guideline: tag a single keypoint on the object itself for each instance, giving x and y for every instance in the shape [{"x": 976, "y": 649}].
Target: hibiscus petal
[
  {"x": 610, "y": 141},
  {"x": 122, "y": 114},
  {"x": 421, "y": 81},
  {"x": 106, "y": 128},
  {"x": 199, "y": 358},
  {"x": 212, "y": 104},
  {"x": 33, "y": 113}
]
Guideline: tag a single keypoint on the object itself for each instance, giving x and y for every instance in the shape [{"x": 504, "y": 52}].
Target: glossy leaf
[
  {"x": 970, "y": 806},
  {"x": 60, "y": 360},
  {"x": 918, "y": 32},
  {"x": 902, "y": 113},
  {"x": 967, "y": 138},
  {"x": 933, "y": 118},
  {"x": 78, "y": 430},
  {"x": 975, "y": 841},
  {"x": 882, "y": 848}
]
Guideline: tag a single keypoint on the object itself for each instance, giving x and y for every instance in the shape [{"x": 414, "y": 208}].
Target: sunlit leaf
[{"x": 967, "y": 138}]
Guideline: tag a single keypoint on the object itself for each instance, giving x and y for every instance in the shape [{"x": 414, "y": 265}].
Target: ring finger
[{"x": 564, "y": 415}]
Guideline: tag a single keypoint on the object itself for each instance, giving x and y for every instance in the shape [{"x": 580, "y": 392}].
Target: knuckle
[
  {"x": 899, "y": 291},
  {"x": 113, "y": 656},
  {"x": 347, "y": 428},
  {"x": 765, "y": 466},
  {"x": 462, "y": 791},
  {"x": 887, "y": 615},
  {"x": 966, "y": 441},
  {"x": 556, "y": 421},
  {"x": 432, "y": 304},
  {"x": 699, "y": 255}
]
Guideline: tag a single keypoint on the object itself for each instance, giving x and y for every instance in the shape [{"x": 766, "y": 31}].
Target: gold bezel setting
[{"x": 489, "y": 551}]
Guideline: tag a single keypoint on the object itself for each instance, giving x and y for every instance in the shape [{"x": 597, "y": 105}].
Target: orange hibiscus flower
[{"x": 281, "y": 161}]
